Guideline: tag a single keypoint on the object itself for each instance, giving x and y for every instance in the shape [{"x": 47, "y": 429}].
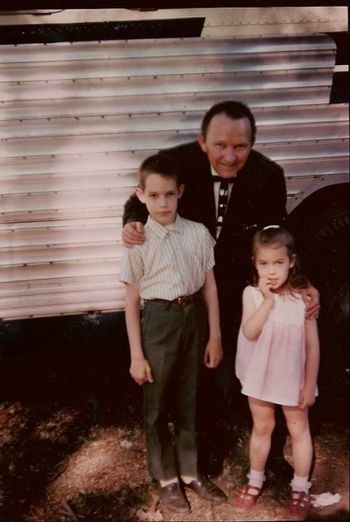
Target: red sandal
[
  {"x": 300, "y": 506},
  {"x": 247, "y": 498}
]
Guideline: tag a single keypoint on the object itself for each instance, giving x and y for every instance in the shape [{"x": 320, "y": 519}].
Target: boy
[{"x": 172, "y": 272}]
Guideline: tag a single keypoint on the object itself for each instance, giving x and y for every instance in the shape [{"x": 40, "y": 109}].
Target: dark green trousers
[{"x": 173, "y": 342}]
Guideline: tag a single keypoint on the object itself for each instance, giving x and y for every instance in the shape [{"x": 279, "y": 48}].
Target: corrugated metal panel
[
  {"x": 219, "y": 22},
  {"x": 77, "y": 119}
]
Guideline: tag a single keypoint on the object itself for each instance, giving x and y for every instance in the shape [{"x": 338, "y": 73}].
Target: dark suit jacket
[{"x": 258, "y": 199}]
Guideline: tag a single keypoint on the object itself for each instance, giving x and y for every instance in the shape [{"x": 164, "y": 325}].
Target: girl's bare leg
[
  {"x": 299, "y": 430},
  {"x": 263, "y": 414}
]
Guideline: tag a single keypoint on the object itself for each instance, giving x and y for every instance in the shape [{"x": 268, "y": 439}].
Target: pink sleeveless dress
[{"x": 271, "y": 368}]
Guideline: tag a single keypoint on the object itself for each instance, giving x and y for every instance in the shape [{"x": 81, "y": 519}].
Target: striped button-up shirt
[{"x": 172, "y": 262}]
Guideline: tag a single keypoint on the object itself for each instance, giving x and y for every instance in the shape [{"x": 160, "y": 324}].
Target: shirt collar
[
  {"x": 162, "y": 230},
  {"x": 219, "y": 178},
  {"x": 213, "y": 171}
]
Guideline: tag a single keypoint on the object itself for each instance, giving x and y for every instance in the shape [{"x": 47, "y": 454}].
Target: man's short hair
[
  {"x": 161, "y": 164},
  {"x": 234, "y": 110}
]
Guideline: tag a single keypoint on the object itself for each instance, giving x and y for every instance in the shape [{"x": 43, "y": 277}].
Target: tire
[{"x": 326, "y": 259}]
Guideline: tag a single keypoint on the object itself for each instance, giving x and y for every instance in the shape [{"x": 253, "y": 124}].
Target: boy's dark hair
[
  {"x": 234, "y": 110},
  {"x": 159, "y": 164},
  {"x": 273, "y": 235}
]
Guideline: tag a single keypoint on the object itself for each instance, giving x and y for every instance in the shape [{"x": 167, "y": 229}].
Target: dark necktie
[{"x": 222, "y": 203}]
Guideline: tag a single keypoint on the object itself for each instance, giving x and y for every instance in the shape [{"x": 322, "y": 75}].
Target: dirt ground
[{"x": 72, "y": 447}]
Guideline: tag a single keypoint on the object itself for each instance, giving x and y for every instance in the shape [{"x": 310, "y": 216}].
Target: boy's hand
[
  {"x": 213, "y": 353},
  {"x": 133, "y": 234},
  {"x": 306, "y": 398},
  {"x": 311, "y": 298},
  {"x": 140, "y": 371}
]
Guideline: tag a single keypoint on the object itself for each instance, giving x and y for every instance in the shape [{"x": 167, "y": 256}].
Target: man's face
[{"x": 227, "y": 144}]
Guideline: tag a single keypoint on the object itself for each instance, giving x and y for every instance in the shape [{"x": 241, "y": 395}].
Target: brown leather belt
[{"x": 182, "y": 300}]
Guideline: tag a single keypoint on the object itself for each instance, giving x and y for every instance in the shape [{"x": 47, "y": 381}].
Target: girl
[{"x": 277, "y": 363}]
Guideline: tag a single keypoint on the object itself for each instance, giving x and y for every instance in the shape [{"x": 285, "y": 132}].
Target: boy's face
[{"x": 160, "y": 196}]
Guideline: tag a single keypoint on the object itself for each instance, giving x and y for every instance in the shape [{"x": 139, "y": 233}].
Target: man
[{"x": 233, "y": 190}]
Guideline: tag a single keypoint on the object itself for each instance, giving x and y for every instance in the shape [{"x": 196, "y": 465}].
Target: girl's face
[{"x": 273, "y": 263}]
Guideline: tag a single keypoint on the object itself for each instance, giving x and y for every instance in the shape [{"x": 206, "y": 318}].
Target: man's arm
[
  {"x": 134, "y": 217},
  {"x": 139, "y": 369},
  {"x": 275, "y": 213},
  {"x": 134, "y": 210},
  {"x": 213, "y": 352},
  {"x": 274, "y": 199}
]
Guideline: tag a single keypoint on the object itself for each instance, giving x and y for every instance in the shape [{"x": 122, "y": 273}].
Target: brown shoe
[
  {"x": 247, "y": 498},
  {"x": 300, "y": 506},
  {"x": 207, "y": 490},
  {"x": 172, "y": 498}
]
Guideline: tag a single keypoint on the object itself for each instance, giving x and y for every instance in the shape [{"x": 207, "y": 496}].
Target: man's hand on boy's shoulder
[
  {"x": 133, "y": 234},
  {"x": 213, "y": 353}
]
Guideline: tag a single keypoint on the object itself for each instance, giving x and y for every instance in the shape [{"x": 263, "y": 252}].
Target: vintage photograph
[{"x": 174, "y": 256}]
